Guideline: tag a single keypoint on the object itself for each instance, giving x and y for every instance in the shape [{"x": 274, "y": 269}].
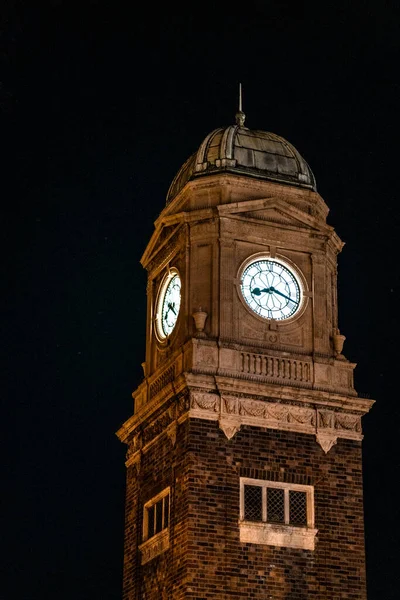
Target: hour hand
[
  {"x": 258, "y": 292},
  {"x": 171, "y": 306}
]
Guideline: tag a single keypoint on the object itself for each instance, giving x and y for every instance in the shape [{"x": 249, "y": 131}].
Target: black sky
[{"x": 101, "y": 103}]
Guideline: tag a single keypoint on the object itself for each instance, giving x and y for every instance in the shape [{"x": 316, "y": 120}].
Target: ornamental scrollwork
[
  {"x": 325, "y": 419},
  {"x": 230, "y": 405},
  {"x": 159, "y": 425},
  {"x": 182, "y": 403},
  {"x": 205, "y": 402},
  {"x": 349, "y": 422},
  {"x": 304, "y": 416},
  {"x": 253, "y": 408}
]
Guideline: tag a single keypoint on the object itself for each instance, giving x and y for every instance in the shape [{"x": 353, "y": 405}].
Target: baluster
[{"x": 264, "y": 365}]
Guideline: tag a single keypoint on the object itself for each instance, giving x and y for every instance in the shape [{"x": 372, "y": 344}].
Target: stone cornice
[
  {"x": 297, "y": 216},
  {"x": 241, "y": 188},
  {"x": 309, "y": 414},
  {"x": 272, "y": 390}
]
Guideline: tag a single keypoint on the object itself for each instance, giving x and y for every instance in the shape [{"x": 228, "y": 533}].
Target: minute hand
[{"x": 272, "y": 289}]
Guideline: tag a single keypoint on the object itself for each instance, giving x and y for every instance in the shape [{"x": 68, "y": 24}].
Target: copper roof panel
[{"x": 263, "y": 144}]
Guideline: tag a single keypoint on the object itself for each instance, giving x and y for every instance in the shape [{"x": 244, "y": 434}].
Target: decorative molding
[
  {"x": 275, "y": 367},
  {"x": 182, "y": 403},
  {"x": 277, "y": 535},
  {"x": 232, "y": 412},
  {"x": 158, "y": 384},
  {"x": 154, "y": 546},
  {"x": 204, "y": 401},
  {"x": 133, "y": 458},
  {"x": 158, "y": 427},
  {"x": 237, "y": 386},
  {"x": 172, "y": 431},
  {"x": 229, "y": 426},
  {"x": 200, "y": 317},
  {"x": 339, "y": 421},
  {"x": 326, "y": 440},
  {"x": 163, "y": 257}
]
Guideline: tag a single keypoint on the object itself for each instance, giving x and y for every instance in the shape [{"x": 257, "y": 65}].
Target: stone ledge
[
  {"x": 277, "y": 535},
  {"x": 154, "y": 546}
]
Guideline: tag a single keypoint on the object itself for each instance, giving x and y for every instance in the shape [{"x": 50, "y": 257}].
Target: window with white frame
[
  {"x": 277, "y": 513},
  {"x": 156, "y": 515}
]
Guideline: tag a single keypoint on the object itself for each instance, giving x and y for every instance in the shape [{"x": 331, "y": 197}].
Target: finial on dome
[{"x": 240, "y": 116}]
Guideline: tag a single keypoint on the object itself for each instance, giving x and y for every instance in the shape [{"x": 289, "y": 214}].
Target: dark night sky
[{"x": 100, "y": 106}]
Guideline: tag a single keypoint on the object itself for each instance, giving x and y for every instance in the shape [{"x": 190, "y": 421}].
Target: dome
[{"x": 242, "y": 151}]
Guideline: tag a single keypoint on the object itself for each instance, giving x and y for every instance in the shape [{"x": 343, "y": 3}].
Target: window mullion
[
  {"x": 264, "y": 503},
  {"x": 145, "y": 524},
  {"x": 286, "y": 506}
]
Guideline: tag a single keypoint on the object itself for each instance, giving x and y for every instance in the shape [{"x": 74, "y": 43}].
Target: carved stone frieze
[
  {"x": 172, "y": 431},
  {"x": 339, "y": 421},
  {"x": 182, "y": 403},
  {"x": 204, "y": 401},
  {"x": 302, "y": 415},
  {"x": 325, "y": 419},
  {"x": 253, "y": 408},
  {"x": 135, "y": 444},
  {"x": 234, "y": 411},
  {"x": 348, "y": 422},
  {"x": 243, "y": 386},
  {"x": 230, "y": 405},
  {"x": 166, "y": 377},
  {"x": 159, "y": 425},
  {"x": 133, "y": 458}
]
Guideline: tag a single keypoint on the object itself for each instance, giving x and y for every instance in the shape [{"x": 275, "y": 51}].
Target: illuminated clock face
[
  {"x": 270, "y": 289},
  {"x": 169, "y": 303}
]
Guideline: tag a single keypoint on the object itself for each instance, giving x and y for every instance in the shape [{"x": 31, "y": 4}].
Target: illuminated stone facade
[{"x": 229, "y": 395}]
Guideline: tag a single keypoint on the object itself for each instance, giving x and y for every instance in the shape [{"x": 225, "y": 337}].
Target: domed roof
[{"x": 242, "y": 151}]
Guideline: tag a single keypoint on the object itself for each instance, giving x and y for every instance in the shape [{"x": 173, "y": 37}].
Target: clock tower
[{"x": 244, "y": 466}]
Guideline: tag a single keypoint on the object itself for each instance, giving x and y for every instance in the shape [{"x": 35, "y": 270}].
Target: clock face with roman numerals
[
  {"x": 168, "y": 305},
  {"x": 270, "y": 289}
]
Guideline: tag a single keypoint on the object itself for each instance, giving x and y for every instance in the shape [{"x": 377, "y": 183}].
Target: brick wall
[{"x": 206, "y": 558}]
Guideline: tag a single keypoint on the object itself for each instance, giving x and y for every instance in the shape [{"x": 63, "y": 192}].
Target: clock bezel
[
  {"x": 295, "y": 272},
  {"x": 161, "y": 336}
]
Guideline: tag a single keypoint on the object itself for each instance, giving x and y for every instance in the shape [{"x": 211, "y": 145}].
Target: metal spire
[{"x": 240, "y": 116}]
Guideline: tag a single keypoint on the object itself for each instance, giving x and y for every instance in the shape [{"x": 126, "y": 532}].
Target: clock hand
[
  {"x": 171, "y": 306},
  {"x": 283, "y": 295},
  {"x": 258, "y": 292}
]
